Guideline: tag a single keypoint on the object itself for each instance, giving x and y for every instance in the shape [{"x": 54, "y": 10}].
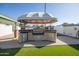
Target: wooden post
[{"x": 15, "y": 31}]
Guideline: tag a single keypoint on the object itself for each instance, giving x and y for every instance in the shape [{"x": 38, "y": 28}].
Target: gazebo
[{"x": 36, "y": 33}]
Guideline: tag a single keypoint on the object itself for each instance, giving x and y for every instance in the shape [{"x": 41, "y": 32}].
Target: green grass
[{"x": 64, "y": 50}]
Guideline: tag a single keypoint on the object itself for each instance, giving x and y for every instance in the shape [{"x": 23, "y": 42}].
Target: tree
[
  {"x": 64, "y": 24},
  {"x": 67, "y": 24}
]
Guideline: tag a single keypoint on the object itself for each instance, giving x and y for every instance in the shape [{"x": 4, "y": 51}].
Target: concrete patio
[{"x": 61, "y": 40}]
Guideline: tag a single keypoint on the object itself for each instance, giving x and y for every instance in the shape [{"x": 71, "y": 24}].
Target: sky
[{"x": 64, "y": 12}]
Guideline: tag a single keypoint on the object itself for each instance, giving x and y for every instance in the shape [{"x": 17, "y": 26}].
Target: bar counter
[{"x": 37, "y": 35}]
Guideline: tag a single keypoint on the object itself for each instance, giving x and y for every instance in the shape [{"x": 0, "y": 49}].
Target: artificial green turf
[{"x": 64, "y": 50}]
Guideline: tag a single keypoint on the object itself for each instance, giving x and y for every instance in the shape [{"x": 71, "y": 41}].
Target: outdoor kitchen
[{"x": 37, "y": 32}]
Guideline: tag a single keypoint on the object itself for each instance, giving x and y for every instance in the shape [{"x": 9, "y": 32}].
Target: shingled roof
[{"x": 37, "y": 16}]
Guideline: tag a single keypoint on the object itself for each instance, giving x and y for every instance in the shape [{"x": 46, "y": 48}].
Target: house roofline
[{"x": 7, "y": 18}]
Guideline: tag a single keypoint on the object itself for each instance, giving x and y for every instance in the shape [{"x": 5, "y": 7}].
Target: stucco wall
[
  {"x": 67, "y": 30},
  {"x": 59, "y": 29},
  {"x": 71, "y": 30}
]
